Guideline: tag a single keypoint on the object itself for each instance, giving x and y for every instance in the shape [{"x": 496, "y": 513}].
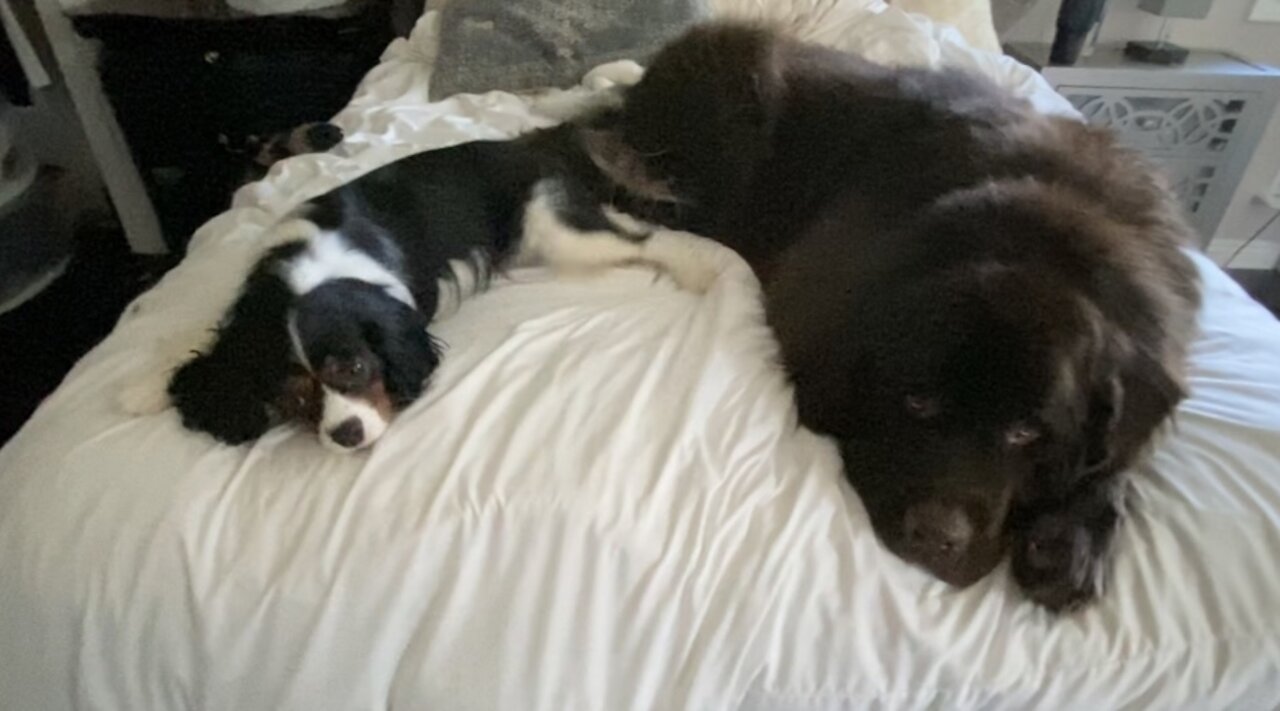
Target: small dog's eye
[
  {"x": 1021, "y": 435},
  {"x": 922, "y": 407}
]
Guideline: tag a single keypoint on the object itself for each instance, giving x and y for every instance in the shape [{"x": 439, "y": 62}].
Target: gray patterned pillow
[{"x": 516, "y": 45}]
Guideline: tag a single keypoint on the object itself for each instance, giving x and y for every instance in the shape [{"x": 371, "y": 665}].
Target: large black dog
[{"x": 986, "y": 307}]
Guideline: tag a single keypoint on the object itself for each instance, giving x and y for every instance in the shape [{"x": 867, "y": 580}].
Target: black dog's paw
[
  {"x": 214, "y": 399},
  {"x": 1058, "y": 561}
]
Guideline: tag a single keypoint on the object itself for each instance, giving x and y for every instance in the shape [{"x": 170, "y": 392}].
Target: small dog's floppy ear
[
  {"x": 216, "y": 396},
  {"x": 408, "y": 353},
  {"x": 228, "y": 390}
]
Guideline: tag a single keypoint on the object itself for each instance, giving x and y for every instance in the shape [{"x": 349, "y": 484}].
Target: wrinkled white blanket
[{"x": 602, "y": 503}]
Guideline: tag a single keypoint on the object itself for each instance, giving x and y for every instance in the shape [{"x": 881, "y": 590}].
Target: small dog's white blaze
[
  {"x": 329, "y": 256},
  {"x": 339, "y": 408}
]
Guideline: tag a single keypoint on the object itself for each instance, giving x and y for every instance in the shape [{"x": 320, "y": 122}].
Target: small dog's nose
[
  {"x": 349, "y": 434},
  {"x": 937, "y": 530}
]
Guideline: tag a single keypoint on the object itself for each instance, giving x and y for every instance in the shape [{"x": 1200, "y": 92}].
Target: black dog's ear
[
  {"x": 1063, "y": 536},
  {"x": 823, "y": 392},
  {"x": 1105, "y": 405},
  {"x": 409, "y": 355},
  {"x": 228, "y": 391},
  {"x": 1127, "y": 405}
]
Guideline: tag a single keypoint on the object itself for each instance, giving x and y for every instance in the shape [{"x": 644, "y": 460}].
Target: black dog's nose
[
  {"x": 937, "y": 530},
  {"x": 324, "y": 136},
  {"x": 348, "y": 434}
]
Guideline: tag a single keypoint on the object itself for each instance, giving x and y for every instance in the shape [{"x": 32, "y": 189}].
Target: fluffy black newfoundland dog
[{"x": 987, "y": 308}]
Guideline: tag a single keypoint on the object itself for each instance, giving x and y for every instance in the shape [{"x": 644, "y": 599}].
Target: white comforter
[{"x": 602, "y": 503}]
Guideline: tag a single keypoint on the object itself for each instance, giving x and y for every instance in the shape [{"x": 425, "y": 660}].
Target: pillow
[
  {"x": 517, "y": 45},
  {"x": 971, "y": 17},
  {"x": 823, "y": 22}
]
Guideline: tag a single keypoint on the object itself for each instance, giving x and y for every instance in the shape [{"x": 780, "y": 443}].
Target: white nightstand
[{"x": 1202, "y": 120}]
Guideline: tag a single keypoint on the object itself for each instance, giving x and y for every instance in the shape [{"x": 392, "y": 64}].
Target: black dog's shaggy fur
[{"x": 987, "y": 308}]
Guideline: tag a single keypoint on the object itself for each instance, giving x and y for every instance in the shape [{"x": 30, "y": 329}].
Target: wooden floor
[{"x": 1262, "y": 284}]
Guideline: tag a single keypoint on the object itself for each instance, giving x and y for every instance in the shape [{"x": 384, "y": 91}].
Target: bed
[{"x": 603, "y": 502}]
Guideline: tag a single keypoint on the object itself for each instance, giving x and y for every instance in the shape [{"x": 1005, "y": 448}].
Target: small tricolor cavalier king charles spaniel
[{"x": 330, "y": 328}]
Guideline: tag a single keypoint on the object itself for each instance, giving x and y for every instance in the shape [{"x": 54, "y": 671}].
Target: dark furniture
[{"x": 187, "y": 92}]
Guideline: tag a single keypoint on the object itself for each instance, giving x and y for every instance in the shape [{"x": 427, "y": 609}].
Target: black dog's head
[
  {"x": 989, "y": 357},
  {"x": 341, "y": 358}
]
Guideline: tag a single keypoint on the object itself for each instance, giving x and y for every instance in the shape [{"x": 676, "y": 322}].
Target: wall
[
  {"x": 50, "y": 129},
  {"x": 1226, "y": 27}
]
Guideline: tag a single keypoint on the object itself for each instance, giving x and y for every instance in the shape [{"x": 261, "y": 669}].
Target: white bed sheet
[{"x": 603, "y": 502}]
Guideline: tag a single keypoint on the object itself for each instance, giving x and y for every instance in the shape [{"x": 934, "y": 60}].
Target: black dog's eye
[
  {"x": 357, "y": 367},
  {"x": 922, "y": 407},
  {"x": 1021, "y": 435}
]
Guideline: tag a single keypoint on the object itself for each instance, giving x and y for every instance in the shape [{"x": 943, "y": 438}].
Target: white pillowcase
[{"x": 972, "y": 18}]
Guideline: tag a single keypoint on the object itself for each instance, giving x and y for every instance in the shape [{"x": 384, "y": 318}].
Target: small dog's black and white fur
[{"x": 330, "y": 328}]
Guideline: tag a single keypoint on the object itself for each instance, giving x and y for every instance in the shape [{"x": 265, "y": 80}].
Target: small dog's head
[
  {"x": 367, "y": 355},
  {"x": 1001, "y": 356},
  {"x": 341, "y": 358}
]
